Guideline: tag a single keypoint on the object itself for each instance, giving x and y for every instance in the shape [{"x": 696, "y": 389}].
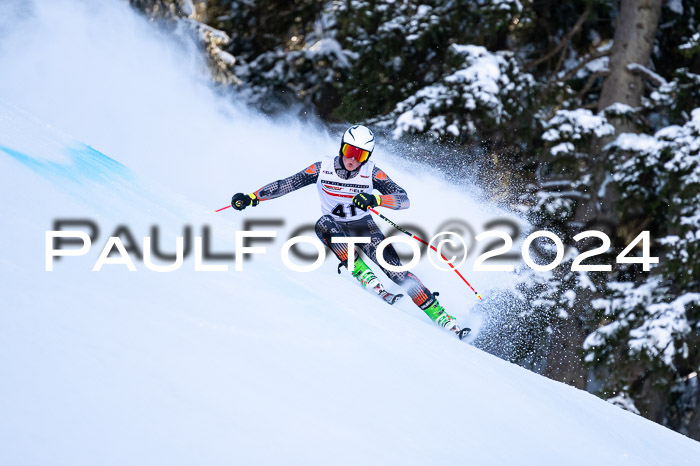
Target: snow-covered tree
[
  {"x": 189, "y": 17},
  {"x": 649, "y": 333}
]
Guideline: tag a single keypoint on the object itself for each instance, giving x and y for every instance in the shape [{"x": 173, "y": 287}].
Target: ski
[
  {"x": 462, "y": 334},
  {"x": 374, "y": 286},
  {"x": 390, "y": 297}
]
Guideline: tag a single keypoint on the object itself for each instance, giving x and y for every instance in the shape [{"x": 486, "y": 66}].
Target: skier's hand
[
  {"x": 366, "y": 200},
  {"x": 240, "y": 201}
]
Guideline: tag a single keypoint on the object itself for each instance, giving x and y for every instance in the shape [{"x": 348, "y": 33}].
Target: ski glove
[
  {"x": 366, "y": 200},
  {"x": 240, "y": 201}
]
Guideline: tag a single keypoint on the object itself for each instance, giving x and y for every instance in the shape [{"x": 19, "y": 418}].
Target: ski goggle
[{"x": 353, "y": 152}]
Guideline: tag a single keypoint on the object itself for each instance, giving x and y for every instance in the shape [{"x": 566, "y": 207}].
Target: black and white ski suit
[{"x": 344, "y": 221}]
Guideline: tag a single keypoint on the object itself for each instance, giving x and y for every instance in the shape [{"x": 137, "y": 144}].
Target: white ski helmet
[{"x": 357, "y": 143}]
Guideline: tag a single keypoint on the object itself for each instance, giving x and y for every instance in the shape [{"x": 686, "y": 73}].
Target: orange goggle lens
[{"x": 356, "y": 153}]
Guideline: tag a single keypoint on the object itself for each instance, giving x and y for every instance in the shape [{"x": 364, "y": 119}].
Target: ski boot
[
  {"x": 369, "y": 281},
  {"x": 365, "y": 276},
  {"x": 438, "y": 315}
]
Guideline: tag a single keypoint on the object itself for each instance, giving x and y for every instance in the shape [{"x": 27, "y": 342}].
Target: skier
[{"x": 345, "y": 184}]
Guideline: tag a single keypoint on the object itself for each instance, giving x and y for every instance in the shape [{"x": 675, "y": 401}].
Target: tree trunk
[
  {"x": 635, "y": 32},
  {"x": 633, "y": 43},
  {"x": 634, "y": 38}
]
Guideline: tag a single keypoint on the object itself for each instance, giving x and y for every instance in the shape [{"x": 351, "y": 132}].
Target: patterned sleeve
[
  {"x": 393, "y": 196},
  {"x": 281, "y": 187}
]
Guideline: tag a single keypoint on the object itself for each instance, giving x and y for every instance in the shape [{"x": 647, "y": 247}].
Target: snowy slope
[{"x": 264, "y": 366}]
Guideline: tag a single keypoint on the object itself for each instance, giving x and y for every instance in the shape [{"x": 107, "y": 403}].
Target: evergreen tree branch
[
  {"x": 586, "y": 60},
  {"x": 560, "y": 62},
  {"x": 563, "y": 42},
  {"x": 656, "y": 79},
  {"x": 589, "y": 84}
]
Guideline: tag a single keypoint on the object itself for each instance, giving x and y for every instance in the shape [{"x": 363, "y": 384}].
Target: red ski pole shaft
[{"x": 403, "y": 230}]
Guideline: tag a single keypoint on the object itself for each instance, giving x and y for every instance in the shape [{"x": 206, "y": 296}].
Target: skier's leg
[
  {"x": 326, "y": 229},
  {"x": 419, "y": 293}
]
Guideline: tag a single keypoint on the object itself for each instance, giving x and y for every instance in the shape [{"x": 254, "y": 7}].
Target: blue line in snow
[
  {"x": 86, "y": 165},
  {"x": 94, "y": 178}
]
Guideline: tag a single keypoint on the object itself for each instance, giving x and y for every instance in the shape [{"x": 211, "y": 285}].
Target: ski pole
[
  {"x": 223, "y": 208},
  {"x": 403, "y": 230}
]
